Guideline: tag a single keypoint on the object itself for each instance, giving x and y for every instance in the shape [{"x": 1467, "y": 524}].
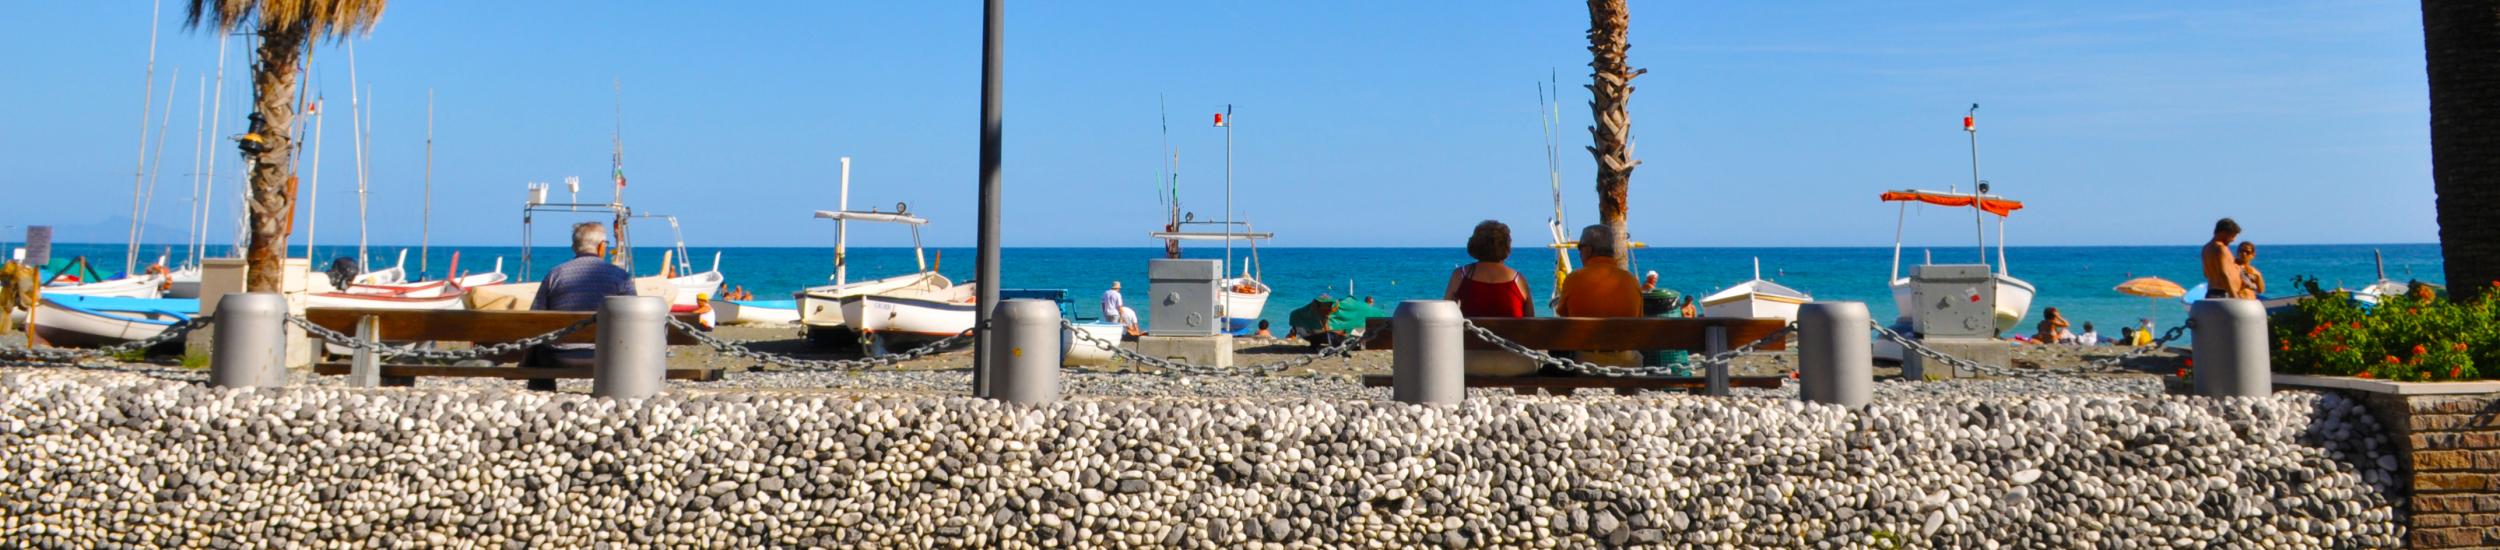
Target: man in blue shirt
[{"x": 580, "y": 284}]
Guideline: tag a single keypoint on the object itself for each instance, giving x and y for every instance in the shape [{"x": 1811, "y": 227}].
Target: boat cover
[{"x": 1998, "y": 206}]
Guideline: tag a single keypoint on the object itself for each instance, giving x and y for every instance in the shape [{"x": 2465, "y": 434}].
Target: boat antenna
[
  {"x": 147, "y": 101},
  {"x": 356, "y": 131},
  {"x": 1979, "y": 188},
  {"x": 425, "y": 236}
]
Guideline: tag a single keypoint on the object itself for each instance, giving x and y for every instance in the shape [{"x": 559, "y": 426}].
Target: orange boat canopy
[{"x": 2000, "y": 207}]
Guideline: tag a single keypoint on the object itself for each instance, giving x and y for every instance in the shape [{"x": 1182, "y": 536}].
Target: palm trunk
[
  {"x": 271, "y": 151},
  {"x": 2461, "y": 47},
  {"x": 1610, "y": 92}
]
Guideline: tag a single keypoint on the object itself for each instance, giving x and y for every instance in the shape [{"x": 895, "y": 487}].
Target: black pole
[{"x": 993, "y": 38}]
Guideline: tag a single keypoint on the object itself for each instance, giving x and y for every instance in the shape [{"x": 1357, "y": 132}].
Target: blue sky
[{"x": 1358, "y": 124}]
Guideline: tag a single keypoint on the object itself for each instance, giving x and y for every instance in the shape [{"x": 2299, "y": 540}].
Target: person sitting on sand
[
  {"x": 1600, "y": 289},
  {"x": 2090, "y": 337},
  {"x": 2052, "y": 325},
  {"x": 2222, "y": 272},
  {"x": 1311, "y": 323},
  {"x": 1487, "y": 288},
  {"x": 1263, "y": 334},
  {"x": 2252, "y": 282},
  {"x": 2126, "y": 336},
  {"x": 580, "y": 284}
]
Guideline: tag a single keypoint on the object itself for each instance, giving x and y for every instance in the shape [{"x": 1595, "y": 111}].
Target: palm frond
[{"x": 336, "y": 19}]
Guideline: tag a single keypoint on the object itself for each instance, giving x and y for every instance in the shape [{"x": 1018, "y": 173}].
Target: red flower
[
  {"x": 2340, "y": 349},
  {"x": 2418, "y": 350},
  {"x": 2456, "y": 372},
  {"x": 2183, "y": 373},
  {"x": 2364, "y": 374},
  {"x": 2391, "y": 359},
  {"x": 2287, "y": 346},
  {"x": 2460, "y": 346},
  {"x": 2190, "y": 361},
  {"x": 2356, "y": 325}
]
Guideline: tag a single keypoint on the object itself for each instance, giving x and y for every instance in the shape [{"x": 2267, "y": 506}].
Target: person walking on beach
[
  {"x": 580, "y": 284},
  {"x": 2222, "y": 272},
  {"x": 2252, "y": 282},
  {"x": 1487, "y": 288},
  {"x": 1115, "y": 309}
]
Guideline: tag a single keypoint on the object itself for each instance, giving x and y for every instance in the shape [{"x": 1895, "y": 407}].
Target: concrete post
[
  {"x": 250, "y": 349},
  {"x": 1835, "y": 363},
  {"x": 1024, "y": 353},
  {"x": 1430, "y": 364},
  {"x": 2231, "y": 355},
  {"x": 631, "y": 361}
]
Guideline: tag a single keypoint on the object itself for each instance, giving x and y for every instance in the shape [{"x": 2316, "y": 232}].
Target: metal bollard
[
  {"x": 250, "y": 344},
  {"x": 631, "y": 361},
  {"x": 1835, "y": 363},
  {"x": 1430, "y": 364},
  {"x": 2231, "y": 355},
  {"x": 1024, "y": 352}
]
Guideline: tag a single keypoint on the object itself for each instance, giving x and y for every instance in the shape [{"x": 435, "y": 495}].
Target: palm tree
[
  {"x": 1610, "y": 92},
  {"x": 286, "y": 29},
  {"x": 2461, "y": 47}
]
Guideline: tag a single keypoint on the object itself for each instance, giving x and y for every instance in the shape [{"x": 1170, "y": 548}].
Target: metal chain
[
  {"x": 1341, "y": 349},
  {"x": 429, "y": 354},
  {"x": 70, "y": 356},
  {"x": 2112, "y": 364},
  {"x": 1725, "y": 358},
  {"x": 740, "y": 350}
]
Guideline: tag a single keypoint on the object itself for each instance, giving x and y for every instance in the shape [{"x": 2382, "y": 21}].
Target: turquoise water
[{"x": 2076, "y": 280}]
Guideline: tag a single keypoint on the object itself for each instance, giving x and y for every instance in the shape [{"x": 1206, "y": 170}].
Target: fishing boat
[
  {"x": 820, "y": 308},
  {"x": 2013, "y": 296},
  {"x": 97, "y": 321},
  {"x": 183, "y": 283},
  {"x": 904, "y": 317},
  {"x": 147, "y": 284},
  {"x": 756, "y": 312},
  {"x": 1758, "y": 298},
  {"x": 445, "y": 300},
  {"x": 1243, "y": 296}
]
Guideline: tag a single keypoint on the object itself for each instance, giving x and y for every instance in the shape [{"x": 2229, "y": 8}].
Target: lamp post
[{"x": 993, "y": 38}]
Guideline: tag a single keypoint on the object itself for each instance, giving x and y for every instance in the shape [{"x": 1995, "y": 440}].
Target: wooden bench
[
  {"x": 482, "y": 328},
  {"x": 1707, "y": 335}
]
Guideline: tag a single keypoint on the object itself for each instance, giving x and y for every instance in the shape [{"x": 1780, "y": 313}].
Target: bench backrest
[
  {"x": 485, "y": 327},
  {"x": 1608, "y": 334}
]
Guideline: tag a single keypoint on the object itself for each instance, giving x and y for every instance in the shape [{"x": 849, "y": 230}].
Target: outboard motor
[{"x": 343, "y": 271}]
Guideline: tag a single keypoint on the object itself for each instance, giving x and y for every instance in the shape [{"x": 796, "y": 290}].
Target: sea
[{"x": 2077, "y": 280}]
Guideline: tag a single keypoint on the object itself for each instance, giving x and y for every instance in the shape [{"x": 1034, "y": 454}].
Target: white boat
[
  {"x": 820, "y": 308},
  {"x": 1074, "y": 351},
  {"x": 895, "y": 319},
  {"x": 144, "y": 285},
  {"x": 691, "y": 288},
  {"x": 2013, "y": 296},
  {"x": 352, "y": 300},
  {"x": 1757, "y": 299},
  {"x": 396, "y": 274},
  {"x": 96, "y": 321},
  {"x": 183, "y": 283},
  {"x": 756, "y": 312}
]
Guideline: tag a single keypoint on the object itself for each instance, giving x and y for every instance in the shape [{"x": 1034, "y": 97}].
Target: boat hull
[
  {"x": 185, "y": 283},
  {"x": 1242, "y": 309},
  {"x": 1756, "y": 299},
  {"x": 756, "y": 312},
  {"x": 692, "y": 287},
  {"x": 344, "y": 300},
  {"x": 80, "y": 321},
  {"x": 908, "y": 318},
  {"x": 141, "y": 286},
  {"x": 820, "y": 308},
  {"x": 1074, "y": 351}
]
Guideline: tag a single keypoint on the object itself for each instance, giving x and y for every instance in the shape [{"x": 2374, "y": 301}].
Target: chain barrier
[
  {"x": 75, "y": 357},
  {"x": 740, "y": 350},
  {"x": 1341, "y": 349},
  {"x": 1725, "y": 358},
  {"x": 429, "y": 354},
  {"x": 2104, "y": 365}
]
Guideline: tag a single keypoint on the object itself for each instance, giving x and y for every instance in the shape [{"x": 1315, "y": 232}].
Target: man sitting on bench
[
  {"x": 1600, "y": 289},
  {"x": 580, "y": 284}
]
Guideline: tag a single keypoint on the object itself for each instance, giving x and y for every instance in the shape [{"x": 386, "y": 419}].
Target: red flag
[
  {"x": 1970, "y": 123},
  {"x": 1219, "y": 119}
]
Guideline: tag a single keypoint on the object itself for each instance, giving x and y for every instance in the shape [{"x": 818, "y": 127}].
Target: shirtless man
[{"x": 2222, "y": 272}]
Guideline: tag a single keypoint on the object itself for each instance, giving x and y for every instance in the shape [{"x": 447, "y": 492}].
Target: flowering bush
[{"x": 2415, "y": 337}]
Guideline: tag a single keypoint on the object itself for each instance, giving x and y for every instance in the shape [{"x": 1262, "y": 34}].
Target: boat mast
[
  {"x": 842, "y": 230},
  {"x": 1897, "y": 222},
  {"x": 199, "y": 148},
  {"x": 312, "y": 218},
  {"x": 147, "y": 100},
  {"x": 356, "y": 132},
  {"x": 624, "y": 248},
  {"x": 208, "y": 191},
  {"x": 1228, "y": 189},
  {"x": 156, "y": 170},
  {"x": 1552, "y": 127},
  {"x": 1979, "y": 189},
  {"x": 425, "y": 238}
]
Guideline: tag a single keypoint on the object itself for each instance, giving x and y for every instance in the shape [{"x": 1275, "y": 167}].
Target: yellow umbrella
[{"x": 2151, "y": 287}]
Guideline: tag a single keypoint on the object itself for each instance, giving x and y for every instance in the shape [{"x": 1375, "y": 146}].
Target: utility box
[
  {"x": 1953, "y": 301},
  {"x": 1182, "y": 296}
]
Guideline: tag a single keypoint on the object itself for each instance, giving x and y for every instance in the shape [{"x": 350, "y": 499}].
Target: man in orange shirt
[{"x": 1599, "y": 288}]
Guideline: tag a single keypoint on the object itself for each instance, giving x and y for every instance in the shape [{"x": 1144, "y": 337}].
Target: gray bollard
[
  {"x": 2231, "y": 355},
  {"x": 1024, "y": 352},
  {"x": 1430, "y": 364},
  {"x": 1835, "y": 363},
  {"x": 631, "y": 361},
  {"x": 250, "y": 346}
]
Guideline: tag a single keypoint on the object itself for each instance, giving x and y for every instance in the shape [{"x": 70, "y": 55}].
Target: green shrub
[{"x": 2415, "y": 338}]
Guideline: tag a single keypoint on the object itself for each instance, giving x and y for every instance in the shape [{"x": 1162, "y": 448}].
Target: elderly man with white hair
[{"x": 580, "y": 284}]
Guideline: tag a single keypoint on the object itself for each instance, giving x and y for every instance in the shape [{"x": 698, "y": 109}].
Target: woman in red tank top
[{"x": 1487, "y": 288}]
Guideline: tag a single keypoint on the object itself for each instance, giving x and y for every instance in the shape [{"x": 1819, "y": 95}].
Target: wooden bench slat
[
  {"x": 504, "y": 372},
  {"x": 1595, "y": 334},
  {"x": 488, "y": 327},
  {"x": 1618, "y": 382}
]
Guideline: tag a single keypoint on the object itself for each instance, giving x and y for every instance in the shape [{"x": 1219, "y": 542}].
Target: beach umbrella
[{"x": 2155, "y": 288}]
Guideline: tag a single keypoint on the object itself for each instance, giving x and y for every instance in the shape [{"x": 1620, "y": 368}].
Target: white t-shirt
[
  {"x": 2089, "y": 339},
  {"x": 1112, "y": 306}
]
